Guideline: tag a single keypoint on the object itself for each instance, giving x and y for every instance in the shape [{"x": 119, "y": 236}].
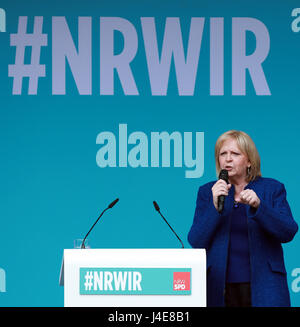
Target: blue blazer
[{"x": 268, "y": 226}]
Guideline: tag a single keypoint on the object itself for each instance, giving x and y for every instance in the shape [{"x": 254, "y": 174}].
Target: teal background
[
  {"x": 154, "y": 281},
  {"x": 51, "y": 190}
]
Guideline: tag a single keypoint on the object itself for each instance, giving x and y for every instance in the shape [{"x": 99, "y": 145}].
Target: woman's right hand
[{"x": 219, "y": 188}]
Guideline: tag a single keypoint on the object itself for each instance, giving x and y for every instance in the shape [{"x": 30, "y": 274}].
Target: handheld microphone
[
  {"x": 158, "y": 210},
  {"x": 221, "y": 199},
  {"x": 109, "y": 207}
]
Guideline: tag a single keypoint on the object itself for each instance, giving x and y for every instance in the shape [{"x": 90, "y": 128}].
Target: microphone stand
[
  {"x": 109, "y": 207},
  {"x": 82, "y": 245},
  {"x": 158, "y": 210}
]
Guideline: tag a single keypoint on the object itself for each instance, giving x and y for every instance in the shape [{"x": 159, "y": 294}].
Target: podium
[{"x": 134, "y": 277}]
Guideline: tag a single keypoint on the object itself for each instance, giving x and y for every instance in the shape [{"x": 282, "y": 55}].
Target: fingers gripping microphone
[
  {"x": 109, "y": 207},
  {"x": 158, "y": 210},
  {"x": 221, "y": 199}
]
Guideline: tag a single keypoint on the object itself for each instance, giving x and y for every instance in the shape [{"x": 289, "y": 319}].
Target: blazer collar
[{"x": 250, "y": 185}]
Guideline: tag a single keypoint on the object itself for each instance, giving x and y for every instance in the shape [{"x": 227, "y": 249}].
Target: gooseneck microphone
[
  {"x": 221, "y": 199},
  {"x": 158, "y": 210},
  {"x": 109, "y": 207}
]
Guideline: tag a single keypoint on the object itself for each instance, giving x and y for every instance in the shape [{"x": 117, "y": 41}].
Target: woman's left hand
[{"x": 249, "y": 197}]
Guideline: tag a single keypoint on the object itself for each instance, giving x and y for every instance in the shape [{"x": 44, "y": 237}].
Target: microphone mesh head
[
  {"x": 224, "y": 175},
  {"x": 113, "y": 203},
  {"x": 156, "y": 206}
]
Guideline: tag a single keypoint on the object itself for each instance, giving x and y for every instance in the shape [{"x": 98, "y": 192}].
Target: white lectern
[{"x": 134, "y": 277}]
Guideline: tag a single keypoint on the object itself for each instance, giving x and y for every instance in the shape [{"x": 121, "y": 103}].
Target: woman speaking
[{"x": 245, "y": 264}]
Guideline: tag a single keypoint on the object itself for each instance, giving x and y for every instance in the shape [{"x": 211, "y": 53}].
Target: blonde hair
[{"x": 247, "y": 146}]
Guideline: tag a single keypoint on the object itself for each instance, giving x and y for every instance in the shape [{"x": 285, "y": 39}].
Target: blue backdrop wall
[{"x": 104, "y": 66}]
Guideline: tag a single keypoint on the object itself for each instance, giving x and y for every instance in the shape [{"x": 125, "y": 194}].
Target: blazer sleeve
[
  {"x": 206, "y": 219},
  {"x": 275, "y": 217}
]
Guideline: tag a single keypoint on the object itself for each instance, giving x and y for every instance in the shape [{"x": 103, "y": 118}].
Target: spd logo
[{"x": 181, "y": 281}]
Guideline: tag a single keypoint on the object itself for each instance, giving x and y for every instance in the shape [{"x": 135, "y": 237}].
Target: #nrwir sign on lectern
[{"x": 134, "y": 277}]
